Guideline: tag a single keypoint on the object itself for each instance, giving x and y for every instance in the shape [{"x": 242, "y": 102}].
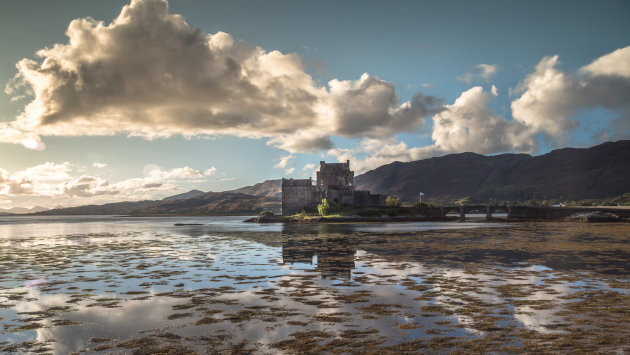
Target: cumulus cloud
[
  {"x": 469, "y": 125},
  {"x": 466, "y": 125},
  {"x": 372, "y": 153},
  {"x": 56, "y": 180},
  {"x": 48, "y": 171},
  {"x": 285, "y": 163},
  {"x": 148, "y": 73},
  {"x": 87, "y": 186},
  {"x": 550, "y": 98},
  {"x": 612, "y": 64},
  {"x": 99, "y": 165},
  {"x": 29, "y": 140},
  {"x": 310, "y": 140},
  {"x": 210, "y": 171},
  {"x": 310, "y": 169},
  {"x": 548, "y": 103},
  {"x": 482, "y": 71},
  {"x": 369, "y": 107}
]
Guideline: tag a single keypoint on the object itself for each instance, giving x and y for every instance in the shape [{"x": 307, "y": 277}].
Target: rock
[{"x": 589, "y": 217}]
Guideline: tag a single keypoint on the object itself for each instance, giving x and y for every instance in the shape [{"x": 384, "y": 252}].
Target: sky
[{"x": 106, "y": 101}]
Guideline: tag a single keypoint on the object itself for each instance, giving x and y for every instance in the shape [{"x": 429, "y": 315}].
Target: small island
[{"x": 332, "y": 198}]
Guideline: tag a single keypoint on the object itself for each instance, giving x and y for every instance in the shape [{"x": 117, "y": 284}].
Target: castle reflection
[{"x": 334, "y": 255}]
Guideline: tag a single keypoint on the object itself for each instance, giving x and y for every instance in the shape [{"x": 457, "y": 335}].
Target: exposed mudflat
[{"x": 220, "y": 287}]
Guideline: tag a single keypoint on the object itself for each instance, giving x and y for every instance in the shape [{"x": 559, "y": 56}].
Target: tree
[
  {"x": 392, "y": 201},
  {"x": 325, "y": 208}
]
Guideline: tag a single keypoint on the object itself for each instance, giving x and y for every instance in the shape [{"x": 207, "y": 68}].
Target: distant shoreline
[{"x": 351, "y": 219}]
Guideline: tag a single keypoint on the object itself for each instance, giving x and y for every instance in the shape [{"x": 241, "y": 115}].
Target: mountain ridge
[{"x": 601, "y": 171}]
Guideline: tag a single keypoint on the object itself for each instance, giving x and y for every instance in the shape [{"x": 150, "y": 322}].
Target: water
[{"x": 117, "y": 284}]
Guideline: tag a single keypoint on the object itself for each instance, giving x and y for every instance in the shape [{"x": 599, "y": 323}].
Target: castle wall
[
  {"x": 341, "y": 195},
  {"x": 366, "y": 199},
  {"x": 334, "y": 181},
  {"x": 297, "y": 194},
  {"x": 335, "y": 174}
]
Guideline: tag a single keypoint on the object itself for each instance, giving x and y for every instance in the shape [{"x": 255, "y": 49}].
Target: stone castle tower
[{"x": 335, "y": 182}]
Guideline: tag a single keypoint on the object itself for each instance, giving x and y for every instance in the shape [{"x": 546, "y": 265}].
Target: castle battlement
[{"x": 335, "y": 182}]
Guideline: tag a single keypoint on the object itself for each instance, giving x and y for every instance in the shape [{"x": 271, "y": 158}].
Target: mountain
[
  {"x": 268, "y": 188},
  {"x": 106, "y": 209},
  {"x": 185, "y": 195},
  {"x": 23, "y": 210},
  {"x": 212, "y": 203},
  {"x": 209, "y": 204},
  {"x": 601, "y": 171}
]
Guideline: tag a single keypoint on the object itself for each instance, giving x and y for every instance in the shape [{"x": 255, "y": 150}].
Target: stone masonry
[{"x": 335, "y": 182}]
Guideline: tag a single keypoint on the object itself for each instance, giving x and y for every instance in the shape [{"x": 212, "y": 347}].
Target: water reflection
[
  {"x": 316, "y": 287},
  {"x": 334, "y": 257}
]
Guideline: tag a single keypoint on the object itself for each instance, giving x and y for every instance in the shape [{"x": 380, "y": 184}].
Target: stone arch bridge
[{"x": 522, "y": 212}]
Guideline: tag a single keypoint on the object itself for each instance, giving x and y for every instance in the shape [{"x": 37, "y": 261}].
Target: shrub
[
  {"x": 392, "y": 201},
  {"x": 267, "y": 213},
  {"x": 325, "y": 208}
]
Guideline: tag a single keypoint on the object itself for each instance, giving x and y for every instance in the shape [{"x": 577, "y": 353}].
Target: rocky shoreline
[
  {"x": 582, "y": 217},
  {"x": 346, "y": 219}
]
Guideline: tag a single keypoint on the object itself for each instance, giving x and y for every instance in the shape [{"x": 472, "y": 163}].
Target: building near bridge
[{"x": 335, "y": 182}]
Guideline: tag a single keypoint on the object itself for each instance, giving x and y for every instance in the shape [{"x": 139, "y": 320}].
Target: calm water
[{"x": 114, "y": 284}]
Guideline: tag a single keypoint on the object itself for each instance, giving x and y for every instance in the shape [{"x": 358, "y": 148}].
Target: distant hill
[
  {"x": 213, "y": 203},
  {"x": 210, "y": 204},
  {"x": 22, "y": 210},
  {"x": 600, "y": 172},
  {"x": 268, "y": 188},
  {"x": 106, "y": 209},
  {"x": 185, "y": 195}
]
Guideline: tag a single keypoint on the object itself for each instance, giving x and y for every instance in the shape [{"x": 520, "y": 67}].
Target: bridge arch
[{"x": 488, "y": 210}]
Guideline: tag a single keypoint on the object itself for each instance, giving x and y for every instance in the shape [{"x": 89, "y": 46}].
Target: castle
[{"x": 335, "y": 182}]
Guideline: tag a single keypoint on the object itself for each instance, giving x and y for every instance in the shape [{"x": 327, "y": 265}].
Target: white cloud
[
  {"x": 469, "y": 125},
  {"x": 87, "y": 186},
  {"x": 302, "y": 141},
  {"x": 48, "y": 171},
  {"x": 372, "y": 153},
  {"x": 466, "y": 125},
  {"x": 616, "y": 63},
  {"x": 177, "y": 173},
  {"x": 550, "y": 98},
  {"x": 486, "y": 71},
  {"x": 33, "y": 143},
  {"x": 60, "y": 182},
  {"x": 309, "y": 169},
  {"x": 466, "y": 77},
  {"x": 148, "y": 73},
  {"x": 29, "y": 140},
  {"x": 369, "y": 107},
  {"x": 99, "y": 165},
  {"x": 482, "y": 71},
  {"x": 285, "y": 163}
]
